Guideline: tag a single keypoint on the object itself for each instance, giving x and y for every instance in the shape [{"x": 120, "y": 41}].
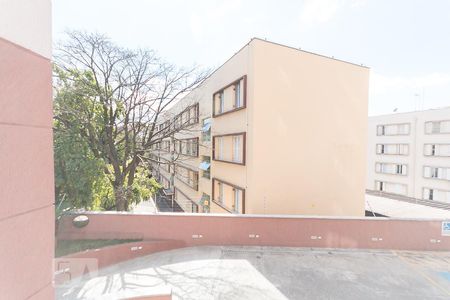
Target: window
[
  {"x": 390, "y": 168},
  {"x": 206, "y": 130},
  {"x": 229, "y": 148},
  {"x": 434, "y": 127},
  {"x": 167, "y": 167},
  {"x": 237, "y": 149},
  {"x": 230, "y": 98},
  {"x": 185, "y": 202},
  {"x": 189, "y": 116},
  {"x": 391, "y": 187},
  {"x": 236, "y": 204},
  {"x": 237, "y": 95},
  {"x": 187, "y": 176},
  {"x": 205, "y": 166},
  {"x": 177, "y": 122},
  {"x": 228, "y": 196},
  {"x": 165, "y": 146},
  {"x": 194, "y": 207},
  {"x": 437, "y": 150},
  {"x": 436, "y": 172},
  {"x": 185, "y": 117},
  {"x": 205, "y": 202},
  {"x": 221, "y": 198},
  {"x": 187, "y": 147},
  {"x": 221, "y": 102},
  {"x": 436, "y": 195},
  {"x": 393, "y": 129},
  {"x": 220, "y": 148},
  {"x": 394, "y": 149},
  {"x": 193, "y": 114},
  {"x": 165, "y": 182}
]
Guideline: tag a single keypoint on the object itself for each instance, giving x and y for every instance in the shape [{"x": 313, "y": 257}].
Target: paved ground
[{"x": 273, "y": 273}]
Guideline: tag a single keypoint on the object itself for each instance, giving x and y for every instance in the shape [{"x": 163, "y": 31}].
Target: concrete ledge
[{"x": 252, "y": 216}]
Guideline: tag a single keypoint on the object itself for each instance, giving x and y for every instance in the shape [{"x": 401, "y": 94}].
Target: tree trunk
[{"x": 120, "y": 195}]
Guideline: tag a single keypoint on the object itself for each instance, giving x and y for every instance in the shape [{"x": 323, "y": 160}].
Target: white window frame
[
  {"x": 220, "y": 148},
  {"x": 222, "y": 102},
  {"x": 382, "y": 129},
  {"x": 221, "y": 197},
  {"x": 435, "y": 127},
  {"x": 237, "y": 148},
  {"x": 237, "y": 199},
  {"x": 237, "y": 94}
]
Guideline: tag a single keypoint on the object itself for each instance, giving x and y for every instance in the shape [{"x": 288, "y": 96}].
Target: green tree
[
  {"x": 112, "y": 98},
  {"x": 79, "y": 175}
]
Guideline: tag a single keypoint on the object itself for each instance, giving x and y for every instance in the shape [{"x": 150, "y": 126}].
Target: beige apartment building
[
  {"x": 274, "y": 130},
  {"x": 409, "y": 154}
]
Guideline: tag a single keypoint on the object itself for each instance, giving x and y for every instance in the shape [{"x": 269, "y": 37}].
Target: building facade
[
  {"x": 409, "y": 154},
  {"x": 274, "y": 130}
]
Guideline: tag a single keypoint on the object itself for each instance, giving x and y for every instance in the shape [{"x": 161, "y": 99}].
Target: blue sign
[{"x": 446, "y": 228}]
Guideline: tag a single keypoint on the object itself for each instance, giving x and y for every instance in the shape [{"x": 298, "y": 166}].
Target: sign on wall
[{"x": 446, "y": 228}]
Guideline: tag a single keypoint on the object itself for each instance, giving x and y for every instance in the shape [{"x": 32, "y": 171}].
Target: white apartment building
[{"x": 409, "y": 154}]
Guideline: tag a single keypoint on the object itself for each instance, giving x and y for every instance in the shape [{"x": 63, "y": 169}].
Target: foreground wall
[
  {"x": 26, "y": 161},
  {"x": 194, "y": 230}
]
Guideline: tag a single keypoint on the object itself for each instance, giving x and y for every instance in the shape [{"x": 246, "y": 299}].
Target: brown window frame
[
  {"x": 212, "y": 198},
  {"x": 244, "y": 148},
  {"x": 163, "y": 148},
  {"x": 244, "y": 100},
  {"x": 196, "y": 174},
  {"x": 190, "y": 120},
  {"x": 178, "y": 146},
  {"x": 176, "y": 191}
]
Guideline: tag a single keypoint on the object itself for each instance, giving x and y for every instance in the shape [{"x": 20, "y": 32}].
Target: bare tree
[{"x": 117, "y": 97}]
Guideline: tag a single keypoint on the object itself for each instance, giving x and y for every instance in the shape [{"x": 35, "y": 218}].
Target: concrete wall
[
  {"x": 415, "y": 160},
  {"x": 308, "y": 133},
  {"x": 287, "y": 231},
  {"x": 26, "y": 158}
]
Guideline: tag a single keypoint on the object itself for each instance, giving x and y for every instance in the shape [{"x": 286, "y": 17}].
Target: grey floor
[{"x": 271, "y": 273}]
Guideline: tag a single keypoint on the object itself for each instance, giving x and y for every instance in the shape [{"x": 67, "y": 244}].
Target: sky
[{"x": 406, "y": 43}]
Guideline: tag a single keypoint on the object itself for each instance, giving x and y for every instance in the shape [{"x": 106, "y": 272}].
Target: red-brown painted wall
[
  {"x": 367, "y": 233},
  {"x": 26, "y": 173},
  {"x": 73, "y": 264}
]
